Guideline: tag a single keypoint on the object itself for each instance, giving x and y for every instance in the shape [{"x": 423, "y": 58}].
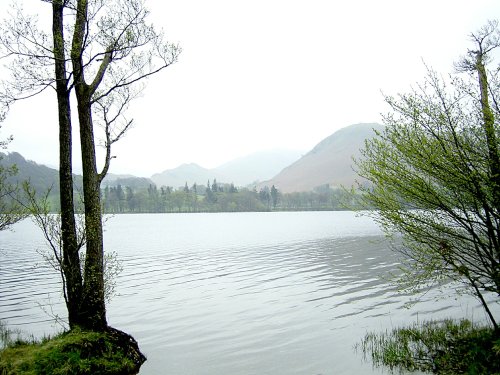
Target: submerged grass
[
  {"x": 9, "y": 336},
  {"x": 69, "y": 353},
  {"x": 445, "y": 347}
]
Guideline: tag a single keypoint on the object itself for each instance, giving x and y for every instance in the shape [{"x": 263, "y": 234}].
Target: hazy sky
[{"x": 266, "y": 74}]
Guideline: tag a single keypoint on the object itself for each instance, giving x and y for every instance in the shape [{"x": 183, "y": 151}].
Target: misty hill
[
  {"x": 135, "y": 183},
  {"x": 256, "y": 167},
  {"x": 242, "y": 171},
  {"x": 41, "y": 177},
  {"x": 329, "y": 162},
  {"x": 189, "y": 173}
]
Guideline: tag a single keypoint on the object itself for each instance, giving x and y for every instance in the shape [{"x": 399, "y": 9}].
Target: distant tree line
[{"x": 220, "y": 197}]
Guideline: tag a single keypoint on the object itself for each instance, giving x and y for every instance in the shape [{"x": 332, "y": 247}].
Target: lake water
[{"x": 234, "y": 293}]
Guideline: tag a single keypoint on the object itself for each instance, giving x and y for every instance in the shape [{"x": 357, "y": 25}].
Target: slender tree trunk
[
  {"x": 489, "y": 128},
  {"x": 485, "y": 306},
  {"x": 93, "y": 307},
  {"x": 71, "y": 260},
  {"x": 493, "y": 154},
  {"x": 93, "y": 288}
]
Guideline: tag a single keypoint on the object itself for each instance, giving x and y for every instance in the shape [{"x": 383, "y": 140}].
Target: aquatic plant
[{"x": 440, "y": 347}]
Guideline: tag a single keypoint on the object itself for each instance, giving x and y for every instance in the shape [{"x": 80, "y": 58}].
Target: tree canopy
[{"x": 434, "y": 173}]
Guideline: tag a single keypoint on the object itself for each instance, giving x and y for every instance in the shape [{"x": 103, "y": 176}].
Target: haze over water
[{"x": 239, "y": 293}]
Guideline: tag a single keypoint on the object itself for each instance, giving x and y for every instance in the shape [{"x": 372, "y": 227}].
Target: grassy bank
[
  {"x": 445, "y": 347},
  {"x": 74, "y": 352}
]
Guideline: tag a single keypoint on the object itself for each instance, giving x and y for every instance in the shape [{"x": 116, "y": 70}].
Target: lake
[{"x": 234, "y": 293}]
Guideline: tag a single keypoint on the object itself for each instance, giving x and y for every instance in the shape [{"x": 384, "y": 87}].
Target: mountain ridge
[
  {"x": 328, "y": 163},
  {"x": 242, "y": 171}
]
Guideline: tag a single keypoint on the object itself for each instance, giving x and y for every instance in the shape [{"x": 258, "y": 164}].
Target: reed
[{"x": 440, "y": 347}]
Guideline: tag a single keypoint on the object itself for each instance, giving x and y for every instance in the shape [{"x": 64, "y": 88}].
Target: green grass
[
  {"x": 74, "y": 352},
  {"x": 445, "y": 347}
]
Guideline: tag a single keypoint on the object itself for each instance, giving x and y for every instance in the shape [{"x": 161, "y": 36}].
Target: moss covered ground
[{"x": 75, "y": 352}]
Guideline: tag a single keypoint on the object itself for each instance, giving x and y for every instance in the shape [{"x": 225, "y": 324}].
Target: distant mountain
[
  {"x": 256, "y": 167},
  {"x": 329, "y": 162},
  {"x": 242, "y": 171},
  {"x": 135, "y": 183},
  {"x": 41, "y": 177},
  {"x": 190, "y": 173}
]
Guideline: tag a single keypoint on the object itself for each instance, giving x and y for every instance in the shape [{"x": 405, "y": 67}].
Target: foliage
[
  {"x": 433, "y": 175},
  {"x": 445, "y": 347},
  {"x": 11, "y": 211},
  {"x": 74, "y": 352},
  {"x": 39, "y": 208}
]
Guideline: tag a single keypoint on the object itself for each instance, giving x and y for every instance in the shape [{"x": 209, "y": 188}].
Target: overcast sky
[{"x": 266, "y": 74}]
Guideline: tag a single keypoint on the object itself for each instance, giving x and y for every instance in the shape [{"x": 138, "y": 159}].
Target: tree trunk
[
  {"x": 493, "y": 156},
  {"x": 489, "y": 129},
  {"x": 71, "y": 260},
  {"x": 93, "y": 308}
]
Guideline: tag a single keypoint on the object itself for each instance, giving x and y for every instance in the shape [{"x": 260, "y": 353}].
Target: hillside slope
[
  {"x": 255, "y": 167},
  {"x": 41, "y": 177},
  {"x": 329, "y": 162},
  {"x": 185, "y": 173}
]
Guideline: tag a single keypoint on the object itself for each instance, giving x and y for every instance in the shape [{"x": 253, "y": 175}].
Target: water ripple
[{"x": 286, "y": 293}]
